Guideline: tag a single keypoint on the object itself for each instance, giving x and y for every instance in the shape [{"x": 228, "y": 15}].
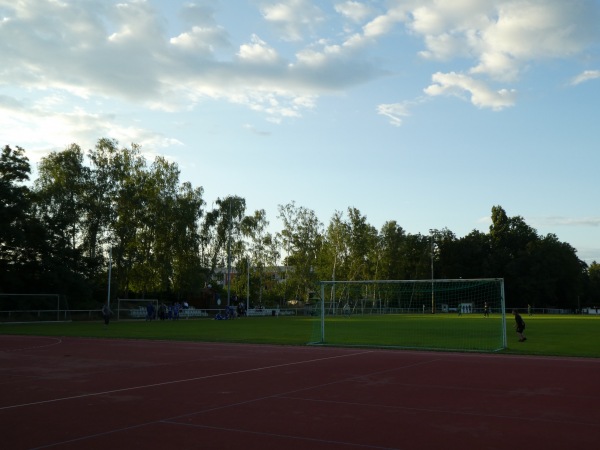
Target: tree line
[{"x": 60, "y": 232}]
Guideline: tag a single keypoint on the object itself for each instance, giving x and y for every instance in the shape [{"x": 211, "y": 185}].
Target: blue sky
[{"x": 427, "y": 112}]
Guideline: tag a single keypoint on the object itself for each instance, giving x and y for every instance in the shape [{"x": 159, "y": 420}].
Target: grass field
[{"x": 547, "y": 334}]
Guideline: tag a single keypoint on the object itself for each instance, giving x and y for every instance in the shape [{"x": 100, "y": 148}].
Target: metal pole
[
  {"x": 432, "y": 292},
  {"x": 248, "y": 285},
  {"x": 229, "y": 257},
  {"x": 503, "y": 307},
  {"x": 109, "y": 275},
  {"x": 323, "y": 313}
]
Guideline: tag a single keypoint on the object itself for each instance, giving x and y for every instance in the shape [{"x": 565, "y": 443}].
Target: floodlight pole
[
  {"x": 109, "y": 275},
  {"x": 248, "y": 285},
  {"x": 432, "y": 292},
  {"x": 229, "y": 256}
]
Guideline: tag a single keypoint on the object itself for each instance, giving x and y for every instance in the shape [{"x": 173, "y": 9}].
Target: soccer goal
[
  {"x": 460, "y": 315},
  {"x": 135, "y": 308},
  {"x": 34, "y": 308}
]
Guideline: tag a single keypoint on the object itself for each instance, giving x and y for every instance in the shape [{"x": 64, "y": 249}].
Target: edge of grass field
[{"x": 548, "y": 335}]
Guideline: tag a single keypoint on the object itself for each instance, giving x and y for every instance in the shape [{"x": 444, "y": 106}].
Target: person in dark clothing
[
  {"x": 149, "y": 312},
  {"x": 519, "y": 326},
  {"x": 106, "y": 312}
]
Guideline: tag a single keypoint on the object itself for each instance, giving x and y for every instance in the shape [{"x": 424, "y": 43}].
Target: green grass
[
  {"x": 260, "y": 330},
  {"x": 547, "y": 335},
  {"x": 439, "y": 332}
]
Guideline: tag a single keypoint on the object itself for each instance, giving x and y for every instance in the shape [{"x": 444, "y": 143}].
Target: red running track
[{"x": 71, "y": 393}]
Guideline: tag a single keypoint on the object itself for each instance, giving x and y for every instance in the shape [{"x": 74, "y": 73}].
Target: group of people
[
  {"x": 165, "y": 312},
  {"x": 231, "y": 312}
]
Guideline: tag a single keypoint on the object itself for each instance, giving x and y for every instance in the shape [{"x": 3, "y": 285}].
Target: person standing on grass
[
  {"x": 519, "y": 326},
  {"x": 149, "y": 312},
  {"x": 106, "y": 312}
]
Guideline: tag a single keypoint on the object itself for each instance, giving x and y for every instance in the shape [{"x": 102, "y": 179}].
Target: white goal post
[{"x": 450, "y": 314}]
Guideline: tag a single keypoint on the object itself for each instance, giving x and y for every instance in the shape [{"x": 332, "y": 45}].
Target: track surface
[{"x": 70, "y": 393}]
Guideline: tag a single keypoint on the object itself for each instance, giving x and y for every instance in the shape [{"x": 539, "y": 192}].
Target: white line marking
[
  {"x": 187, "y": 380},
  {"x": 58, "y": 341}
]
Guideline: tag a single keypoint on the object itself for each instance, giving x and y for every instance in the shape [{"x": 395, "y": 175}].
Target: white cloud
[
  {"x": 396, "y": 112},
  {"x": 480, "y": 94},
  {"x": 49, "y": 117},
  {"x": 126, "y": 51},
  {"x": 201, "y": 41},
  {"x": 257, "y": 51},
  {"x": 122, "y": 51},
  {"x": 586, "y": 75},
  {"x": 354, "y": 11},
  {"x": 491, "y": 41},
  {"x": 293, "y": 18},
  {"x": 502, "y": 38},
  {"x": 383, "y": 24}
]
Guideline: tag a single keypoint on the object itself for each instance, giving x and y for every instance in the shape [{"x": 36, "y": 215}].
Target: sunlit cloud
[
  {"x": 586, "y": 75},
  {"x": 477, "y": 91}
]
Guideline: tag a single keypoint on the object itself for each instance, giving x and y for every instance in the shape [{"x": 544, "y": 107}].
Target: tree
[
  {"x": 221, "y": 228},
  {"x": 15, "y": 204},
  {"x": 416, "y": 257},
  {"x": 22, "y": 238},
  {"x": 60, "y": 187},
  {"x": 537, "y": 270},
  {"x": 556, "y": 275},
  {"x": 392, "y": 239},
  {"x": 467, "y": 257},
  {"x": 593, "y": 296},
  {"x": 335, "y": 249},
  {"x": 362, "y": 246},
  {"x": 119, "y": 177},
  {"x": 61, "y": 193},
  {"x": 262, "y": 247},
  {"x": 186, "y": 243},
  {"x": 56, "y": 236},
  {"x": 302, "y": 239},
  {"x": 510, "y": 258}
]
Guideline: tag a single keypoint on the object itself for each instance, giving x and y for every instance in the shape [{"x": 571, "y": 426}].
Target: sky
[{"x": 426, "y": 112}]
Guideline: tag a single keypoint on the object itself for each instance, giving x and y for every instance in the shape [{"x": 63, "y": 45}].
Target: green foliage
[
  {"x": 57, "y": 237},
  {"x": 23, "y": 245},
  {"x": 302, "y": 241},
  {"x": 593, "y": 287}
]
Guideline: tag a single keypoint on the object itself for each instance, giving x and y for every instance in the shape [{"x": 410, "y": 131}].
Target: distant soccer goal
[
  {"x": 34, "y": 308},
  {"x": 136, "y": 308},
  {"x": 461, "y": 315}
]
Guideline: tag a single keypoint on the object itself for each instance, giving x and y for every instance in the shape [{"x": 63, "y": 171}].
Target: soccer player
[{"x": 519, "y": 326}]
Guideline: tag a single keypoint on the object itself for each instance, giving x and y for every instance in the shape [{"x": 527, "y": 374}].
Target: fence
[{"x": 45, "y": 315}]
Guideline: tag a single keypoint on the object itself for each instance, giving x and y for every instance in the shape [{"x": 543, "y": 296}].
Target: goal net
[
  {"x": 136, "y": 308},
  {"x": 461, "y": 315},
  {"x": 34, "y": 308}
]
